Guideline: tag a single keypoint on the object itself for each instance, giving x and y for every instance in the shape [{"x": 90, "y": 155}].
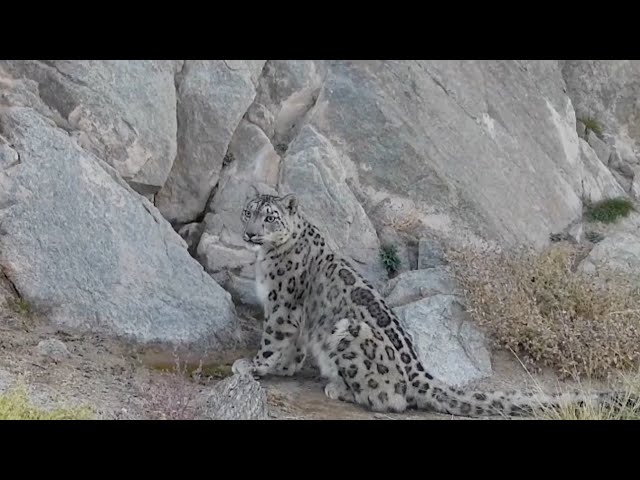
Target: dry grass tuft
[
  {"x": 548, "y": 313},
  {"x": 15, "y": 405},
  {"x": 407, "y": 222},
  {"x": 630, "y": 399},
  {"x": 171, "y": 394}
]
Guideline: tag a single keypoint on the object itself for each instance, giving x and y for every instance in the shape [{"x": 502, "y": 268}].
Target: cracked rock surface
[
  {"x": 429, "y": 305},
  {"x": 90, "y": 253},
  {"x": 123, "y": 112},
  {"x": 381, "y": 150},
  {"x": 103, "y": 162},
  {"x": 212, "y": 97}
]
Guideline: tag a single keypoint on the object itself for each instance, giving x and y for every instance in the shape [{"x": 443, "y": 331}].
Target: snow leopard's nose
[{"x": 248, "y": 236}]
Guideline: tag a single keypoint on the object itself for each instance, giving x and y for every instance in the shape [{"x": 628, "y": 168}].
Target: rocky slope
[{"x": 121, "y": 181}]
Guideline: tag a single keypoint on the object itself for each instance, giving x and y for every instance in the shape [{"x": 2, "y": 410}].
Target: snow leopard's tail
[{"x": 454, "y": 401}]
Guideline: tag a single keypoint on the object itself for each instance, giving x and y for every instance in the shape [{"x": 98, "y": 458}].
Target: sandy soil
[{"x": 120, "y": 381}]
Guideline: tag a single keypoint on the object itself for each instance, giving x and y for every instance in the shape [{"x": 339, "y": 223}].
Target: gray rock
[
  {"x": 314, "y": 170},
  {"x": 575, "y": 232},
  {"x": 288, "y": 89},
  {"x": 428, "y": 305},
  {"x": 625, "y": 182},
  {"x": 213, "y": 95},
  {"x": 7, "y": 380},
  {"x": 8, "y": 157},
  {"x": 607, "y": 91},
  {"x": 7, "y": 294},
  {"x": 448, "y": 344},
  {"x": 619, "y": 251},
  {"x": 261, "y": 117},
  {"x": 221, "y": 260},
  {"x": 285, "y": 93},
  {"x": 82, "y": 246},
  {"x": 634, "y": 191},
  {"x": 124, "y": 111},
  {"x": 418, "y": 148},
  {"x": 221, "y": 247},
  {"x": 191, "y": 234},
  {"x": 617, "y": 164},
  {"x": 430, "y": 253},
  {"x": 255, "y": 158},
  {"x": 602, "y": 149},
  {"x": 217, "y": 255},
  {"x": 417, "y": 284},
  {"x": 581, "y": 129},
  {"x": 53, "y": 349},
  {"x": 238, "y": 397},
  {"x": 22, "y": 91},
  {"x": 422, "y": 130},
  {"x": 243, "y": 290},
  {"x": 598, "y": 182},
  {"x": 254, "y": 162}
]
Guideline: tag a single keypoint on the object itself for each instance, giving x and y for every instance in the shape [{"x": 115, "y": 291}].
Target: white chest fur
[
  {"x": 262, "y": 288},
  {"x": 261, "y": 291}
]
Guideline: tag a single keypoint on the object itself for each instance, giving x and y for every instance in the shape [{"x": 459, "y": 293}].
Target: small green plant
[
  {"x": 592, "y": 124},
  {"x": 14, "y": 405},
  {"x": 608, "y": 211},
  {"x": 22, "y": 307},
  {"x": 390, "y": 259}
]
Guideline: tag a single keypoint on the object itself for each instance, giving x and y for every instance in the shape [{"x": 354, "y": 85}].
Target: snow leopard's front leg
[{"x": 281, "y": 349}]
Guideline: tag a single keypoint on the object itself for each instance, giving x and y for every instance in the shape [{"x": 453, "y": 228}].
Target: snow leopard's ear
[
  {"x": 290, "y": 202},
  {"x": 255, "y": 190}
]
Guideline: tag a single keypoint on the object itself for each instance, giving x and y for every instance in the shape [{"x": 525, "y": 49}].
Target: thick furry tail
[{"x": 453, "y": 401}]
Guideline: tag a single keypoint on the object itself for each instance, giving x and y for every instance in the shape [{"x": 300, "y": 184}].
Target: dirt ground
[{"x": 120, "y": 381}]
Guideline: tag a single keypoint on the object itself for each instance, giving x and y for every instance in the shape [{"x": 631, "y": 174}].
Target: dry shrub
[
  {"x": 542, "y": 308},
  {"x": 171, "y": 394}
]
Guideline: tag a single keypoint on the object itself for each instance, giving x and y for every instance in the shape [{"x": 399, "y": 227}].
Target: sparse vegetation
[
  {"x": 608, "y": 211},
  {"x": 169, "y": 397},
  {"x": 217, "y": 371},
  {"x": 548, "y": 313},
  {"x": 630, "y": 409},
  {"x": 14, "y": 405},
  {"x": 20, "y": 306},
  {"x": 172, "y": 395},
  {"x": 390, "y": 259},
  {"x": 592, "y": 124},
  {"x": 408, "y": 222}
]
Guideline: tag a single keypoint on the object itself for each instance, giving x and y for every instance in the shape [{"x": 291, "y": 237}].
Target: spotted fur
[{"x": 317, "y": 305}]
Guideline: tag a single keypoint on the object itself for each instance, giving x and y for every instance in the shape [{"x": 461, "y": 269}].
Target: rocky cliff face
[
  {"x": 102, "y": 162},
  {"x": 606, "y": 98}
]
